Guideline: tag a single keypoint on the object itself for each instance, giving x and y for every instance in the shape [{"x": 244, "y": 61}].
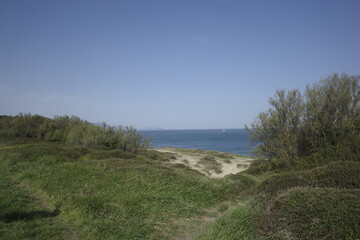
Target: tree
[
  {"x": 277, "y": 131},
  {"x": 332, "y": 116},
  {"x": 325, "y": 120}
]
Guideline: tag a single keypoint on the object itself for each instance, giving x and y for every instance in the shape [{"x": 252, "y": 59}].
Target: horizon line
[{"x": 188, "y": 129}]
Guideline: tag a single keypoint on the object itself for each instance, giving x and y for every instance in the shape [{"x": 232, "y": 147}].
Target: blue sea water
[{"x": 230, "y": 140}]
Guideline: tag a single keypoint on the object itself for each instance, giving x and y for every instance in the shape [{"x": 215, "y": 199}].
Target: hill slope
[
  {"x": 64, "y": 192},
  {"x": 50, "y": 190}
]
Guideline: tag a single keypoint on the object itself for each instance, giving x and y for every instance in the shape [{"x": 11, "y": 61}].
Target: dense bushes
[
  {"x": 325, "y": 120},
  {"x": 316, "y": 213},
  {"x": 318, "y": 203},
  {"x": 72, "y": 130},
  {"x": 334, "y": 175}
]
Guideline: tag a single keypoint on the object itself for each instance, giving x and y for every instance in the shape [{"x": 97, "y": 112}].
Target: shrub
[
  {"x": 73, "y": 131},
  {"x": 334, "y": 175},
  {"x": 278, "y": 129},
  {"x": 325, "y": 120},
  {"x": 317, "y": 213},
  {"x": 210, "y": 163}
]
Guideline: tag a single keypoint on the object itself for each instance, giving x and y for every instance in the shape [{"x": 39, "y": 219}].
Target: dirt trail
[{"x": 211, "y": 163}]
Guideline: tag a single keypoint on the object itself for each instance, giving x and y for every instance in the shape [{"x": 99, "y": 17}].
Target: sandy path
[{"x": 221, "y": 167}]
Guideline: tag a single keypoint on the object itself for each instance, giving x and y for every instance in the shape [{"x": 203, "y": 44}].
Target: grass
[
  {"x": 24, "y": 217},
  {"x": 241, "y": 165},
  {"x": 49, "y": 190},
  {"x": 336, "y": 175},
  {"x": 317, "y": 213},
  {"x": 112, "y": 194},
  {"x": 240, "y": 222},
  {"x": 210, "y": 164},
  {"x": 318, "y": 203},
  {"x": 115, "y": 153}
]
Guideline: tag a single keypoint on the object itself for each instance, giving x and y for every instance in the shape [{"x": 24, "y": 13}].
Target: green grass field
[
  {"x": 49, "y": 190},
  {"x": 53, "y": 191}
]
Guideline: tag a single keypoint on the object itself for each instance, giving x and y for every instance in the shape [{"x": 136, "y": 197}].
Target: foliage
[
  {"x": 238, "y": 223},
  {"x": 73, "y": 131},
  {"x": 244, "y": 183},
  {"x": 325, "y": 120},
  {"x": 278, "y": 130},
  {"x": 317, "y": 213},
  {"x": 310, "y": 145},
  {"x": 106, "y": 154},
  {"x": 334, "y": 175},
  {"x": 210, "y": 163},
  {"x": 23, "y": 217},
  {"x": 107, "y": 194},
  {"x": 332, "y": 116}
]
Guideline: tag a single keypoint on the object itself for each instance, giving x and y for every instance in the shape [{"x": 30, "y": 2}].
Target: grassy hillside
[
  {"x": 65, "y": 178},
  {"x": 316, "y": 213},
  {"x": 318, "y": 203},
  {"x": 310, "y": 174},
  {"x": 50, "y": 190},
  {"x": 55, "y": 191}
]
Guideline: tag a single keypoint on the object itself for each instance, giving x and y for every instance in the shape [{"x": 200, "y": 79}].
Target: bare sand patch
[{"x": 211, "y": 163}]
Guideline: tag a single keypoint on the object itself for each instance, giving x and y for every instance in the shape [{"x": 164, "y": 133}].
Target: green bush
[
  {"x": 31, "y": 152},
  {"x": 317, "y": 213},
  {"x": 260, "y": 166},
  {"x": 210, "y": 163},
  {"x": 334, "y": 175},
  {"x": 324, "y": 121},
  {"x": 73, "y": 131}
]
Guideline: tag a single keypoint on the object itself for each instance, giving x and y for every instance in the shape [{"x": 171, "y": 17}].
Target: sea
[{"x": 222, "y": 140}]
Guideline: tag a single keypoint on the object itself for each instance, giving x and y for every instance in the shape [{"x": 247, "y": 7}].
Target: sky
[{"x": 170, "y": 64}]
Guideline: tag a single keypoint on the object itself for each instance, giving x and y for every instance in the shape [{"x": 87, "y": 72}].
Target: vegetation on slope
[
  {"x": 238, "y": 223},
  {"x": 65, "y": 178},
  {"x": 325, "y": 122},
  {"x": 73, "y": 131},
  {"x": 311, "y": 167},
  {"x": 106, "y": 194},
  {"x": 334, "y": 175},
  {"x": 316, "y": 213},
  {"x": 24, "y": 217}
]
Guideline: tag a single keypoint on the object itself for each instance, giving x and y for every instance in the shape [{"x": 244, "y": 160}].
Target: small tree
[
  {"x": 327, "y": 121},
  {"x": 277, "y": 131},
  {"x": 332, "y": 116}
]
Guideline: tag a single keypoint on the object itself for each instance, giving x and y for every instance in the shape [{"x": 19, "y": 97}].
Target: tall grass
[
  {"x": 112, "y": 194},
  {"x": 335, "y": 175},
  {"x": 317, "y": 213},
  {"x": 24, "y": 217},
  {"x": 238, "y": 223}
]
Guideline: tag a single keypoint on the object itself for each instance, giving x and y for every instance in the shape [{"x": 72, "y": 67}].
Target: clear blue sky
[{"x": 171, "y": 64}]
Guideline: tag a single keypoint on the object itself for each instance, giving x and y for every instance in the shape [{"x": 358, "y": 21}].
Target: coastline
[
  {"x": 231, "y": 141},
  {"x": 213, "y": 164}
]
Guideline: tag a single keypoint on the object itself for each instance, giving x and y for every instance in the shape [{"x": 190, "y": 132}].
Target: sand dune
[{"x": 211, "y": 163}]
